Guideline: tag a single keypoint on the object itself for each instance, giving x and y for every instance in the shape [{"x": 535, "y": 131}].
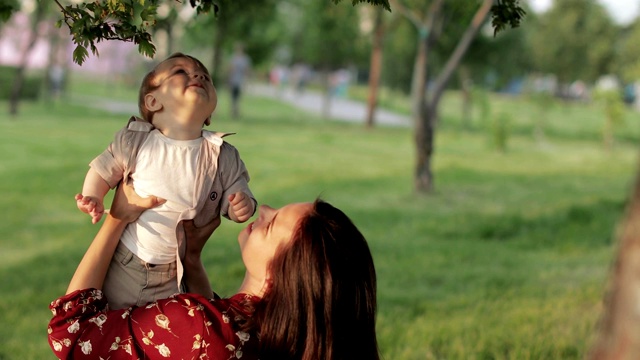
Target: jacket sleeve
[
  {"x": 234, "y": 176},
  {"x": 110, "y": 164}
]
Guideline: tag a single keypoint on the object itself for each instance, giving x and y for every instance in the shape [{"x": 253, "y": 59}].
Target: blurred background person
[{"x": 239, "y": 68}]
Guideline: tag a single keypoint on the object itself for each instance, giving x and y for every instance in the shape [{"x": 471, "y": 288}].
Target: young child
[{"x": 169, "y": 155}]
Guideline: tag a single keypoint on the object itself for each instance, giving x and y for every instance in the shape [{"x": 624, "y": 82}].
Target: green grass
[{"x": 508, "y": 259}]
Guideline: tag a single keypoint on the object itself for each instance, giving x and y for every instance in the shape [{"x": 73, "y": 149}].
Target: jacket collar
[{"x": 138, "y": 124}]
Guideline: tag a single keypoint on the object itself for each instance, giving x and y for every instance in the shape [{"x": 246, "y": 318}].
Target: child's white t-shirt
[{"x": 165, "y": 168}]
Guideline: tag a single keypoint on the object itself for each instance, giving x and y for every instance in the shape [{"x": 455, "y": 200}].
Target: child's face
[{"x": 185, "y": 88}]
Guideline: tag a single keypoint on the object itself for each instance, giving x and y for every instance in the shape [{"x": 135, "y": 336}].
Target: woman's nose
[{"x": 265, "y": 210}]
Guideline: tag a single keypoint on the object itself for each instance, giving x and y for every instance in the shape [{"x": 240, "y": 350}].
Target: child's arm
[
  {"x": 241, "y": 207},
  {"x": 93, "y": 192}
]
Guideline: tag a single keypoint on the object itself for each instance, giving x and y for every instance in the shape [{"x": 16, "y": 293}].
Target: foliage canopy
[{"x": 131, "y": 21}]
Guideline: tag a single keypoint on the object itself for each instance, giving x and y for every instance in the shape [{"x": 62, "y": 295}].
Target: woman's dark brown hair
[
  {"x": 321, "y": 303},
  {"x": 149, "y": 84}
]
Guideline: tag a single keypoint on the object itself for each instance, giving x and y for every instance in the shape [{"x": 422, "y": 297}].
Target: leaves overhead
[
  {"x": 132, "y": 20},
  {"x": 90, "y": 23},
  {"x": 383, "y": 3},
  {"x": 7, "y": 8},
  {"x": 506, "y": 12}
]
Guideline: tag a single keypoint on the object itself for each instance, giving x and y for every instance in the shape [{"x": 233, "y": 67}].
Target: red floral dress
[{"x": 184, "y": 326}]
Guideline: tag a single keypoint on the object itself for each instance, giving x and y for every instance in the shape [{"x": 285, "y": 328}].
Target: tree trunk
[
  {"x": 425, "y": 133},
  {"x": 375, "y": 68},
  {"x": 465, "y": 87},
  {"x": 218, "y": 38},
  {"x": 18, "y": 80},
  {"x": 619, "y": 328},
  {"x": 428, "y": 105},
  {"x": 423, "y": 122},
  {"x": 54, "y": 42},
  {"x": 169, "y": 30},
  {"x": 423, "y": 114}
]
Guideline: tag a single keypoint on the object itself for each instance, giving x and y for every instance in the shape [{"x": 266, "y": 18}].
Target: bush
[{"x": 30, "y": 88}]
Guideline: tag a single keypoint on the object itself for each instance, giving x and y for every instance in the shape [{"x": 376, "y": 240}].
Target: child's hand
[
  {"x": 241, "y": 207},
  {"x": 90, "y": 205}
]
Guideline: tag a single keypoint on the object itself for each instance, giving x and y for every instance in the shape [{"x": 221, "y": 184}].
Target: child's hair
[{"x": 149, "y": 84}]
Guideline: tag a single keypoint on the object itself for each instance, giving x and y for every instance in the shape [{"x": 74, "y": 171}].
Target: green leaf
[
  {"x": 147, "y": 48},
  {"x": 148, "y": 14},
  {"x": 80, "y": 54},
  {"x": 383, "y": 3},
  {"x": 506, "y": 12}
]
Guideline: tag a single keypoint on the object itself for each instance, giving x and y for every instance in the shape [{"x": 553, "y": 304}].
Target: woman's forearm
[
  {"x": 195, "y": 277},
  {"x": 94, "y": 265}
]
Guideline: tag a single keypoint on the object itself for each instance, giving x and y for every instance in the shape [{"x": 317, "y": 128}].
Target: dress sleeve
[
  {"x": 74, "y": 315},
  {"x": 182, "y": 326}
]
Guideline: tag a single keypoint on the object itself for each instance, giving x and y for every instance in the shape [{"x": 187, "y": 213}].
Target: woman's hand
[
  {"x": 196, "y": 237},
  {"x": 127, "y": 205}
]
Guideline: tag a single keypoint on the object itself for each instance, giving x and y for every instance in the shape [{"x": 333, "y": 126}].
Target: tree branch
[
  {"x": 411, "y": 16},
  {"x": 455, "y": 58}
]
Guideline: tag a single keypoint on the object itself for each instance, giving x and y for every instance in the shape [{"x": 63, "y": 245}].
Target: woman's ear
[{"x": 151, "y": 103}]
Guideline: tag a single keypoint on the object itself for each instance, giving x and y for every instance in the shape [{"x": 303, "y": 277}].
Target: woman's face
[{"x": 273, "y": 227}]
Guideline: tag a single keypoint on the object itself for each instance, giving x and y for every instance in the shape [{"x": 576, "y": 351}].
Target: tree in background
[
  {"x": 613, "y": 109},
  {"x": 326, "y": 41},
  {"x": 628, "y": 61},
  {"x": 619, "y": 331},
  {"x": 484, "y": 66},
  {"x": 429, "y": 19},
  {"x": 37, "y": 18},
  {"x": 250, "y": 23},
  {"x": 166, "y": 22},
  {"x": 397, "y": 69},
  {"x": 574, "y": 40},
  {"x": 375, "y": 65}
]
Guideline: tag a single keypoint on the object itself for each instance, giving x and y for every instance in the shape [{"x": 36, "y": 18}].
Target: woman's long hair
[{"x": 321, "y": 303}]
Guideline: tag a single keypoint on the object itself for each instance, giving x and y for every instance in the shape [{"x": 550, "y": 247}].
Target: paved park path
[{"x": 340, "y": 110}]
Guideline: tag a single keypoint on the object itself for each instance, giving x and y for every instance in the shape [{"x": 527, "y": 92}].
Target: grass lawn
[{"x": 507, "y": 259}]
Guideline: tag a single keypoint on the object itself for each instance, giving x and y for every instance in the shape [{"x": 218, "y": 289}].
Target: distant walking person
[{"x": 238, "y": 72}]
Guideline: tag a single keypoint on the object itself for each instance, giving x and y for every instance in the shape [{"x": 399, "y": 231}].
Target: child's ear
[{"x": 151, "y": 103}]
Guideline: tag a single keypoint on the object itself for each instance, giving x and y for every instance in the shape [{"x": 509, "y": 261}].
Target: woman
[{"x": 309, "y": 292}]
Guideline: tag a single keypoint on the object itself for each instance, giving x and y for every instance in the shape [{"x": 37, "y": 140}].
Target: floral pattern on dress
[{"x": 186, "y": 326}]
